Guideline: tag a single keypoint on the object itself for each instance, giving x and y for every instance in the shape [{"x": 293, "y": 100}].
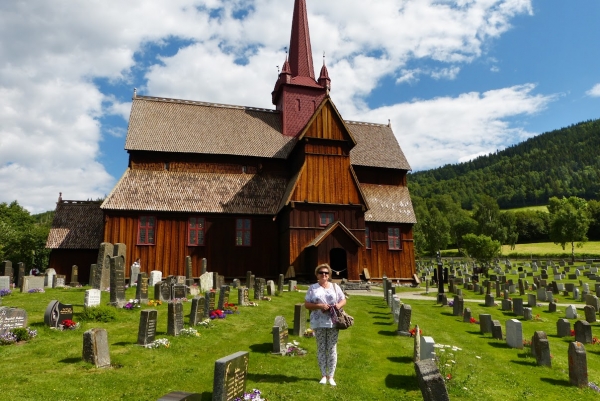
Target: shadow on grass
[
  {"x": 388, "y": 333},
  {"x": 70, "y": 360},
  {"x": 525, "y": 355},
  {"x": 525, "y": 363},
  {"x": 447, "y": 314},
  {"x": 479, "y": 333},
  {"x": 264, "y": 348},
  {"x": 400, "y": 359},
  {"x": 383, "y": 324},
  {"x": 377, "y": 313},
  {"x": 381, "y": 317},
  {"x": 556, "y": 382},
  {"x": 125, "y": 343},
  {"x": 206, "y": 396},
  {"x": 498, "y": 344},
  {"x": 404, "y": 382},
  {"x": 261, "y": 378}
]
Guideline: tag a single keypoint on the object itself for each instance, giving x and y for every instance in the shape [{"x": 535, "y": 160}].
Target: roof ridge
[
  {"x": 365, "y": 123},
  {"x": 199, "y": 103}
]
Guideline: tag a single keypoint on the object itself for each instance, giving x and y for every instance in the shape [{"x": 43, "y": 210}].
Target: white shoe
[
  {"x": 332, "y": 382},
  {"x": 323, "y": 380}
]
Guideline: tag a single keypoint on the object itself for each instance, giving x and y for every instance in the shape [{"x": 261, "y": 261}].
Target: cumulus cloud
[
  {"x": 594, "y": 92},
  {"x": 54, "y": 52}
]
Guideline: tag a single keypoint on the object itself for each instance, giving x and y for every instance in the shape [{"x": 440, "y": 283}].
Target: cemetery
[{"x": 469, "y": 344}]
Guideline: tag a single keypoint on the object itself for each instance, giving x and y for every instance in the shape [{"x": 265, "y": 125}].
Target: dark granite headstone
[
  {"x": 458, "y": 305},
  {"x": 162, "y": 291},
  {"x": 179, "y": 291},
  {"x": 19, "y": 274},
  {"x": 197, "y": 314},
  {"x": 563, "y": 328},
  {"x": 249, "y": 281},
  {"x": 230, "y": 377},
  {"x": 117, "y": 281},
  {"x": 431, "y": 382},
  {"x": 583, "y": 332},
  {"x": 188, "y": 267},
  {"x": 467, "y": 315},
  {"x": 6, "y": 269},
  {"x": 147, "y": 329},
  {"x": 12, "y": 318},
  {"x": 74, "y": 276},
  {"x": 496, "y": 330},
  {"x": 210, "y": 303},
  {"x": 299, "y": 320},
  {"x": 590, "y": 313},
  {"x": 204, "y": 266},
  {"x": 540, "y": 348},
  {"x": 223, "y": 297},
  {"x": 280, "y": 335},
  {"x": 141, "y": 291},
  {"x": 56, "y": 313},
  {"x": 578, "y": 372},
  {"x": 280, "y": 283},
  {"x": 101, "y": 275},
  {"x": 404, "y": 320},
  {"x": 175, "y": 318},
  {"x": 95, "y": 348},
  {"x": 485, "y": 323},
  {"x": 259, "y": 289}
]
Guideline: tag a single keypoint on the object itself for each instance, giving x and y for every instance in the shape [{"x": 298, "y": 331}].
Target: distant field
[
  {"x": 522, "y": 209},
  {"x": 592, "y": 247}
]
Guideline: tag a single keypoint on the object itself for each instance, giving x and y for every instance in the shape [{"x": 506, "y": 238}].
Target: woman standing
[{"x": 321, "y": 299}]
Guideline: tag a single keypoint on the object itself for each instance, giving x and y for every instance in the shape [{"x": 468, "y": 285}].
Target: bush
[
  {"x": 99, "y": 314},
  {"x": 21, "y": 333}
]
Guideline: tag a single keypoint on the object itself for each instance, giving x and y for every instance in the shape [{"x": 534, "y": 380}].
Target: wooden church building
[{"x": 255, "y": 189}]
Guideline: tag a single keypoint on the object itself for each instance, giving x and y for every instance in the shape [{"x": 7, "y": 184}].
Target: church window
[
  {"x": 196, "y": 226},
  {"x": 367, "y": 238},
  {"x": 326, "y": 219},
  {"x": 394, "y": 238},
  {"x": 146, "y": 226},
  {"x": 243, "y": 232}
]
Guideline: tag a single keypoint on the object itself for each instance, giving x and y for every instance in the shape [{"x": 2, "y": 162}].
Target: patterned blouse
[{"x": 319, "y": 295}]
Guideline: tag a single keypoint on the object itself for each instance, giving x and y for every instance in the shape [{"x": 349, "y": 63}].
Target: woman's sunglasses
[{"x": 325, "y": 272}]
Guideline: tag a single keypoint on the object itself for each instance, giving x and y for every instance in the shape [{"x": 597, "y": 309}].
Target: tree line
[
  {"x": 480, "y": 232},
  {"x": 561, "y": 163}
]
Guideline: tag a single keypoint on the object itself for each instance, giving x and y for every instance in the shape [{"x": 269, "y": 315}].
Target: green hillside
[{"x": 564, "y": 162}]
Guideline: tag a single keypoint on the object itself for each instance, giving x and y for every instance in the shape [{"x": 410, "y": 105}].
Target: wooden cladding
[
  {"x": 170, "y": 247},
  {"x": 393, "y": 263},
  {"x": 327, "y": 179},
  {"x": 327, "y": 125}
]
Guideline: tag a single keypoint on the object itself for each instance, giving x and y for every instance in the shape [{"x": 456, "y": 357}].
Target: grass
[
  {"x": 590, "y": 247},
  {"x": 543, "y": 208},
  {"x": 374, "y": 363}
]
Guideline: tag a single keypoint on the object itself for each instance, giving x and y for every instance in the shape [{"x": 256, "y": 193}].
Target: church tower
[{"x": 297, "y": 93}]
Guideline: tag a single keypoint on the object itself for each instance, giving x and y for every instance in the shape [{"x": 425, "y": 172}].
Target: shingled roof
[
  {"x": 169, "y": 191},
  {"x": 388, "y": 204},
  {"x": 180, "y": 126},
  {"x": 76, "y": 225}
]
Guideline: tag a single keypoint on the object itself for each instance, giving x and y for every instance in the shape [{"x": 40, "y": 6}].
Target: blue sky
[{"x": 456, "y": 78}]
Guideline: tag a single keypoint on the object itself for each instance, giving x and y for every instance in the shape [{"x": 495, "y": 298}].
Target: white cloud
[
  {"x": 53, "y": 50},
  {"x": 594, "y": 92}
]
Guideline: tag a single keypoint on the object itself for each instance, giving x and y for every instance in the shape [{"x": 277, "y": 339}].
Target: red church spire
[{"x": 297, "y": 94}]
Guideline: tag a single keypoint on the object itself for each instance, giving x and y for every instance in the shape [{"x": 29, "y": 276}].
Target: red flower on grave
[
  {"x": 68, "y": 323},
  {"x": 448, "y": 376},
  {"x": 595, "y": 341},
  {"x": 413, "y": 331},
  {"x": 572, "y": 333},
  {"x": 473, "y": 321}
]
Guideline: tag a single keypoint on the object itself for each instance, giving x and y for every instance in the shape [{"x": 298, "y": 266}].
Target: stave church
[{"x": 252, "y": 189}]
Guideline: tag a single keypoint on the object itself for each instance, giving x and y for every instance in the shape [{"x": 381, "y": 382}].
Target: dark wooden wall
[
  {"x": 62, "y": 260},
  {"x": 393, "y": 263},
  {"x": 170, "y": 246}
]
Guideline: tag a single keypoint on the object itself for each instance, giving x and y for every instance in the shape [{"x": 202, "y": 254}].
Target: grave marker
[
  {"x": 56, "y": 313},
  {"x": 280, "y": 335},
  {"x": 117, "y": 281},
  {"x": 427, "y": 348},
  {"x": 101, "y": 275},
  {"x": 95, "y": 348},
  {"x": 514, "y": 334},
  {"x": 12, "y": 318},
  {"x": 404, "y": 320},
  {"x": 578, "y": 373},
  {"x": 590, "y": 313},
  {"x": 583, "y": 332},
  {"x": 74, "y": 276},
  {"x": 431, "y": 382},
  {"x": 141, "y": 291},
  {"x": 299, "y": 320},
  {"x": 175, "y": 318},
  {"x": 147, "y": 328},
  {"x": 197, "y": 313},
  {"x": 230, "y": 377},
  {"x": 540, "y": 348},
  {"x": 243, "y": 296},
  {"x": 223, "y": 297},
  {"x": 92, "y": 298},
  {"x": 485, "y": 323},
  {"x": 563, "y": 328}
]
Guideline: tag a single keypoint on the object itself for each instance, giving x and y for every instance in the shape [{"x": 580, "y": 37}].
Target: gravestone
[
  {"x": 593, "y": 301},
  {"x": 12, "y": 318},
  {"x": 590, "y": 313},
  {"x": 292, "y": 285},
  {"x": 541, "y": 294},
  {"x": 540, "y": 348},
  {"x": 181, "y": 396},
  {"x": 427, "y": 348},
  {"x": 134, "y": 272},
  {"x": 249, "y": 280},
  {"x": 431, "y": 382},
  {"x": 299, "y": 320},
  {"x": 583, "y": 332},
  {"x": 552, "y": 307},
  {"x": 147, "y": 328},
  {"x": 4, "y": 282},
  {"x": 571, "y": 312},
  {"x": 527, "y": 314},
  {"x": 141, "y": 291},
  {"x": 467, "y": 315},
  {"x": 236, "y": 283},
  {"x": 280, "y": 283},
  {"x": 206, "y": 282},
  {"x": 507, "y": 305},
  {"x": 175, "y": 318},
  {"x": 485, "y": 323},
  {"x": 458, "y": 305},
  {"x": 209, "y": 302},
  {"x": 162, "y": 291},
  {"x": 188, "y": 268},
  {"x": 101, "y": 275},
  {"x": 92, "y": 298},
  {"x": 514, "y": 334},
  {"x": 56, "y": 313},
  {"x": 518, "y": 306},
  {"x": 578, "y": 372},
  {"x": 223, "y": 297},
  {"x": 74, "y": 276},
  {"x": 155, "y": 278},
  {"x": 243, "y": 296},
  {"x": 179, "y": 292},
  {"x": 496, "y": 330},
  {"x": 280, "y": 335},
  {"x": 6, "y": 269},
  {"x": 95, "y": 348},
  {"x": 197, "y": 313},
  {"x": 270, "y": 288},
  {"x": 531, "y": 300},
  {"x": 117, "y": 281},
  {"x": 563, "y": 328},
  {"x": 489, "y": 300},
  {"x": 60, "y": 281},
  {"x": 549, "y": 296},
  {"x": 417, "y": 345},
  {"x": 19, "y": 273},
  {"x": 404, "y": 320},
  {"x": 32, "y": 282},
  {"x": 204, "y": 267},
  {"x": 259, "y": 289},
  {"x": 230, "y": 377}
]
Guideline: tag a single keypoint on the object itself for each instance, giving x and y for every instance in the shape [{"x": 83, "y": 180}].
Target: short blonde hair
[{"x": 323, "y": 265}]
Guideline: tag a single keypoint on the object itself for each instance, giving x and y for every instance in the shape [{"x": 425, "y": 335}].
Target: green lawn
[
  {"x": 528, "y": 208},
  {"x": 591, "y": 247},
  {"x": 374, "y": 363}
]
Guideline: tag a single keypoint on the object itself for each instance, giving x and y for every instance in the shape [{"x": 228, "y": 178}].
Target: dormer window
[{"x": 326, "y": 219}]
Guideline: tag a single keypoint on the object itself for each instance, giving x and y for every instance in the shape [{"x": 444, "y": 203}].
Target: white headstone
[
  {"x": 571, "y": 312},
  {"x": 92, "y": 298},
  {"x": 4, "y": 282},
  {"x": 49, "y": 277},
  {"x": 31, "y": 282},
  {"x": 155, "y": 278},
  {"x": 427, "y": 348},
  {"x": 206, "y": 282},
  {"x": 514, "y": 334}
]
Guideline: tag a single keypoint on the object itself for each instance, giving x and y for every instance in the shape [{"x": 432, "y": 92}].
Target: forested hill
[{"x": 565, "y": 162}]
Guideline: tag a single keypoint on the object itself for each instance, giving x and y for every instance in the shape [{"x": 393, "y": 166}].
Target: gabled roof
[
  {"x": 170, "y": 191},
  {"x": 181, "y": 126},
  {"x": 327, "y": 102},
  {"x": 388, "y": 204},
  {"x": 376, "y": 146},
  {"x": 329, "y": 230},
  {"x": 76, "y": 225}
]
